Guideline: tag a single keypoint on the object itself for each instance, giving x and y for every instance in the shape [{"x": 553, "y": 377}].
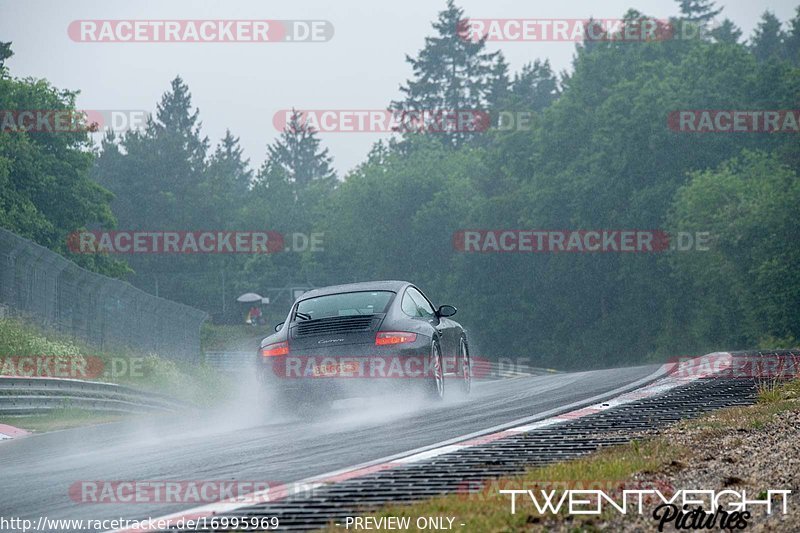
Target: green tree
[
  {"x": 157, "y": 179},
  {"x": 452, "y": 72},
  {"x": 602, "y": 156},
  {"x": 747, "y": 286},
  {"x": 499, "y": 84},
  {"x": 296, "y": 158},
  {"x": 288, "y": 191},
  {"x": 698, "y": 11},
  {"x": 160, "y": 180},
  {"x": 5, "y": 53},
  {"x": 793, "y": 39},
  {"x": 727, "y": 32},
  {"x": 768, "y": 38},
  {"x": 535, "y": 87},
  {"x": 394, "y": 216},
  {"x": 45, "y": 189},
  {"x": 226, "y": 183}
]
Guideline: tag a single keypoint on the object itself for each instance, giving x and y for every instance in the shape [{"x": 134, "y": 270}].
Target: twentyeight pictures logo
[
  {"x": 694, "y": 509},
  {"x": 200, "y": 31}
]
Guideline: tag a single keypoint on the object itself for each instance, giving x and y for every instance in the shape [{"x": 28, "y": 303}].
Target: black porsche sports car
[{"x": 348, "y": 340}]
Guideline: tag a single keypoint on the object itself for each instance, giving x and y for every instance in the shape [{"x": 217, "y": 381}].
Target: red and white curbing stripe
[
  {"x": 11, "y": 432},
  {"x": 674, "y": 374}
]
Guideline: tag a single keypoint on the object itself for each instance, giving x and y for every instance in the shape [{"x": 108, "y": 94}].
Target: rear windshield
[{"x": 344, "y": 304}]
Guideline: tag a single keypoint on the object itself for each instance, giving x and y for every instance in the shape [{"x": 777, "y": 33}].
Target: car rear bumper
[{"x": 348, "y": 371}]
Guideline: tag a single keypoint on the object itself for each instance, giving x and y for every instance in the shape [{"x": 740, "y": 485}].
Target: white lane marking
[
  {"x": 536, "y": 425},
  {"x": 687, "y": 373},
  {"x": 430, "y": 453}
]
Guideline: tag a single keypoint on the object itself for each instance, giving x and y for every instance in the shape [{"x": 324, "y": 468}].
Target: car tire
[
  {"x": 465, "y": 365},
  {"x": 436, "y": 384}
]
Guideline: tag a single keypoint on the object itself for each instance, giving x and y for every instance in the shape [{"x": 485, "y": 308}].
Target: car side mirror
[
  {"x": 278, "y": 327},
  {"x": 446, "y": 310}
]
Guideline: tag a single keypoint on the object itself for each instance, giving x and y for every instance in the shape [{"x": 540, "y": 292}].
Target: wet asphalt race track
[{"x": 247, "y": 442}]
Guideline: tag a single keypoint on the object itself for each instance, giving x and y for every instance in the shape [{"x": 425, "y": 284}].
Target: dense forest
[{"x": 599, "y": 152}]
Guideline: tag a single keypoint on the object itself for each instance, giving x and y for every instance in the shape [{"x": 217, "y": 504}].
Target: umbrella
[{"x": 249, "y": 297}]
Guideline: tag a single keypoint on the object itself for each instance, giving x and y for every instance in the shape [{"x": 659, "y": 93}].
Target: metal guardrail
[
  {"x": 234, "y": 362},
  {"x": 510, "y": 369},
  {"x": 244, "y": 361},
  {"x": 26, "y": 396}
]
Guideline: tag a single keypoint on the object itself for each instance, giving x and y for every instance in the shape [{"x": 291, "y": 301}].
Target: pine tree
[
  {"x": 768, "y": 38},
  {"x": 158, "y": 175},
  {"x": 451, "y": 73},
  {"x": 793, "y": 39},
  {"x": 727, "y": 32},
  {"x": 227, "y": 180},
  {"x": 535, "y": 86},
  {"x": 296, "y": 158},
  {"x": 227, "y": 168},
  {"x": 698, "y": 11},
  {"x": 695, "y": 19},
  {"x": 175, "y": 119},
  {"x": 499, "y": 84}
]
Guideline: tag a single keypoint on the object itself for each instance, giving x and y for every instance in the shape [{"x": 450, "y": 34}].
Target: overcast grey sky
[{"x": 241, "y": 85}]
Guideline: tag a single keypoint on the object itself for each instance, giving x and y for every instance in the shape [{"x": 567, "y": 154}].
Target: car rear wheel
[
  {"x": 436, "y": 387},
  {"x": 466, "y": 367}
]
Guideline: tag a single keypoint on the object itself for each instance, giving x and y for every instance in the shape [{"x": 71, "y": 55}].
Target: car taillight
[
  {"x": 384, "y": 338},
  {"x": 280, "y": 348}
]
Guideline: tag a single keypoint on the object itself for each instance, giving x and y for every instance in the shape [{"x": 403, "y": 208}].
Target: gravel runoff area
[{"x": 728, "y": 449}]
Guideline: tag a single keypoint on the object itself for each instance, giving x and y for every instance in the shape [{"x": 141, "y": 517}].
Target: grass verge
[
  {"x": 215, "y": 337},
  {"x": 61, "y": 419},
  {"x": 26, "y": 350}
]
